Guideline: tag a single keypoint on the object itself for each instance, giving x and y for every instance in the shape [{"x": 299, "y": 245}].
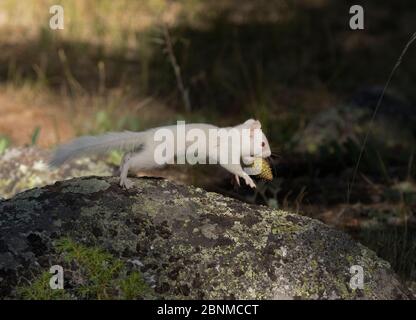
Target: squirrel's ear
[
  {"x": 253, "y": 124},
  {"x": 249, "y": 122}
]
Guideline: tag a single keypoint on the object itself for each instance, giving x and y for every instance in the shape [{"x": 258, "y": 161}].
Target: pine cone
[{"x": 263, "y": 166}]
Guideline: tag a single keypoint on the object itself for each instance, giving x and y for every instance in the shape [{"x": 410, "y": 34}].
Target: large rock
[
  {"x": 185, "y": 242},
  {"x": 342, "y": 129}
]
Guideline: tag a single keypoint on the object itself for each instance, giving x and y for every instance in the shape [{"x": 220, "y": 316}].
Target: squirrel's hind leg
[
  {"x": 124, "y": 170},
  {"x": 137, "y": 161}
]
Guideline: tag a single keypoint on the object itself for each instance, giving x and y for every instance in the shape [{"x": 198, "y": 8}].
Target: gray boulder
[{"x": 181, "y": 241}]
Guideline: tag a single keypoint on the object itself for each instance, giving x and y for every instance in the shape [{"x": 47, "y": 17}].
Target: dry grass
[{"x": 43, "y": 89}]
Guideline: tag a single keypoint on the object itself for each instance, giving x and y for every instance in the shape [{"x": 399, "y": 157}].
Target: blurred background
[{"x": 293, "y": 64}]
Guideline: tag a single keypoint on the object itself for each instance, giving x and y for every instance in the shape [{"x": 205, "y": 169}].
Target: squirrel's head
[{"x": 259, "y": 146}]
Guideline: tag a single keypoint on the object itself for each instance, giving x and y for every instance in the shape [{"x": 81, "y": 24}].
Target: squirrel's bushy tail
[{"x": 126, "y": 141}]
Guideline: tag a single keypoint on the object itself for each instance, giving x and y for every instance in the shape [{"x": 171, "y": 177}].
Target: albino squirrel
[{"x": 140, "y": 148}]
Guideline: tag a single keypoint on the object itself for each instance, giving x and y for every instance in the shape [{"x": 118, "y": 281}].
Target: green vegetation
[
  {"x": 35, "y": 136},
  {"x": 4, "y": 143},
  {"x": 99, "y": 276},
  {"x": 133, "y": 287},
  {"x": 40, "y": 289},
  {"x": 394, "y": 244}
]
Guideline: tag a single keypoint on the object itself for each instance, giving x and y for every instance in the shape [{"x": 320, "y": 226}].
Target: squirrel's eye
[{"x": 263, "y": 144}]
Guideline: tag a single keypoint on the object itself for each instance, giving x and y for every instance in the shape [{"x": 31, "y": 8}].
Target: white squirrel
[{"x": 140, "y": 147}]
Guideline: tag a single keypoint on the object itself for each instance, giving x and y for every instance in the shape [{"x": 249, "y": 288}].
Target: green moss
[
  {"x": 100, "y": 276},
  {"x": 342, "y": 289},
  {"x": 134, "y": 287},
  {"x": 41, "y": 290},
  {"x": 100, "y": 267}
]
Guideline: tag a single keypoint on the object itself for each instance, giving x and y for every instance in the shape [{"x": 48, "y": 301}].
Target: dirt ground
[{"x": 19, "y": 123}]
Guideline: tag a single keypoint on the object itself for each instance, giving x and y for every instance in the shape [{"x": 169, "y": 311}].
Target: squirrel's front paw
[
  {"x": 249, "y": 181},
  {"x": 126, "y": 183}
]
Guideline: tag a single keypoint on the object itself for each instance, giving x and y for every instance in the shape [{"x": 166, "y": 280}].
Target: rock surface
[
  {"x": 26, "y": 168},
  {"x": 391, "y": 132},
  {"x": 186, "y": 243}
]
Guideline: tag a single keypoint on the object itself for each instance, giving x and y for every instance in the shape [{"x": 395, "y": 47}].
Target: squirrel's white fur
[{"x": 139, "y": 149}]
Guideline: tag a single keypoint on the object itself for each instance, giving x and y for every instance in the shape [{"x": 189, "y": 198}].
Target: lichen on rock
[{"x": 186, "y": 243}]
